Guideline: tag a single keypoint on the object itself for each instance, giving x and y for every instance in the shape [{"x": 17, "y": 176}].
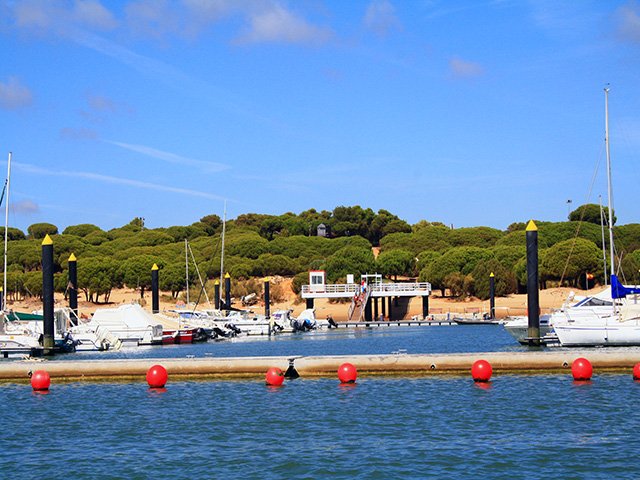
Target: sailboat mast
[
  {"x": 604, "y": 245},
  {"x": 224, "y": 227},
  {"x": 6, "y": 235},
  {"x": 609, "y": 189},
  {"x": 186, "y": 263}
]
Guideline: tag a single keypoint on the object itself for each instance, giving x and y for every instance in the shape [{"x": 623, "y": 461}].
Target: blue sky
[{"x": 465, "y": 112}]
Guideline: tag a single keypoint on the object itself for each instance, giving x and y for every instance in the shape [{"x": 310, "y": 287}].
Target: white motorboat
[
  {"x": 574, "y": 308},
  {"x": 130, "y": 323}
]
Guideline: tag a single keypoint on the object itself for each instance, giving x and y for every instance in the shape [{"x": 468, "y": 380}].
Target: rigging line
[
  {"x": 198, "y": 272},
  {"x": 201, "y": 285},
  {"x": 575, "y": 237}
]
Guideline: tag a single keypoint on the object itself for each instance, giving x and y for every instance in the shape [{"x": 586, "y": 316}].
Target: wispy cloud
[
  {"x": 381, "y": 18},
  {"x": 209, "y": 167},
  {"x": 100, "y": 107},
  {"x": 78, "y": 134},
  {"x": 55, "y": 16},
  {"x": 264, "y": 21},
  {"x": 277, "y": 24},
  {"x": 26, "y": 207},
  {"x": 628, "y": 22},
  {"x": 14, "y": 95},
  {"x": 97, "y": 177},
  {"x": 459, "y": 68}
]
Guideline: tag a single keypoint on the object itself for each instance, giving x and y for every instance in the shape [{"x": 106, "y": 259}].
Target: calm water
[
  {"x": 381, "y": 428},
  {"x": 520, "y": 427},
  {"x": 383, "y": 340}
]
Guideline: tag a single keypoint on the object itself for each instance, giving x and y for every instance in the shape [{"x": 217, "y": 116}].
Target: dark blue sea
[{"x": 540, "y": 426}]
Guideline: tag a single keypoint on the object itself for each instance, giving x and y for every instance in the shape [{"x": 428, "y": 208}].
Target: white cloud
[
  {"x": 265, "y": 21},
  {"x": 628, "y": 22},
  {"x": 152, "y": 18},
  {"x": 93, "y": 14},
  {"x": 209, "y": 167},
  {"x": 25, "y": 206},
  {"x": 38, "y": 14},
  {"x": 97, "y": 177},
  {"x": 57, "y": 16},
  {"x": 460, "y": 68},
  {"x": 277, "y": 24},
  {"x": 381, "y": 18},
  {"x": 14, "y": 95}
]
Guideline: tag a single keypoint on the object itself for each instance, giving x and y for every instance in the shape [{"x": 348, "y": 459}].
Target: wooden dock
[{"x": 399, "y": 364}]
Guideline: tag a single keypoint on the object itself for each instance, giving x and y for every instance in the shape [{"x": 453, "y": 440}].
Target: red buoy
[
  {"x": 636, "y": 371},
  {"x": 157, "y": 376},
  {"x": 347, "y": 373},
  {"x": 40, "y": 380},
  {"x": 581, "y": 369},
  {"x": 481, "y": 371},
  {"x": 274, "y": 377}
]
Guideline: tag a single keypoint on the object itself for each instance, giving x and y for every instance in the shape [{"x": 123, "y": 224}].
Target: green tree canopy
[
  {"x": 41, "y": 230},
  {"x": 456, "y": 260},
  {"x": 350, "y": 259},
  {"x": 570, "y": 260},
  {"x": 81, "y": 230},
  {"x": 98, "y": 276},
  {"x": 504, "y": 278},
  {"x": 136, "y": 272},
  {"x": 395, "y": 262},
  {"x": 590, "y": 212},
  {"x": 12, "y": 234}
]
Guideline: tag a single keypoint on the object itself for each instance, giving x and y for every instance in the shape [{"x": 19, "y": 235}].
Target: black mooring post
[
  {"x": 47, "y": 295},
  {"x": 309, "y": 302},
  {"x": 389, "y": 308},
  {"x": 155, "y": 290},
  {"x": 291, "y": 372},
  {"x": 533, "y": 304},
  {"x": 267, "y": 309},
  {"x": 425, "y": 306},
  {"x": 375, "y": 309},
  {"x": 227, "y": 291},
  {"x": 384, "y": 307},
  {"x": 73, "y": 288},
  {"x": 216, "y": 294},
  {"x": 492, "y": 296},
  {"x": 367, "y": 310}
]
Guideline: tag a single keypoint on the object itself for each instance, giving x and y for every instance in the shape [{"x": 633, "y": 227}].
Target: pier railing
[{"x": 377, "y": 290}]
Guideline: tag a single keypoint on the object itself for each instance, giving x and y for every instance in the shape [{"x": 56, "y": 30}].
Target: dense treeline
[{"x": 457, "y": 261}]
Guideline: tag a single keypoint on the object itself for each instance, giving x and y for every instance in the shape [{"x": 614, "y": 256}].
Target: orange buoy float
[
  {"x": 40, "y": 380},
  {"x": 157, "y": 376},
  {"x": 636, "y": 371},
  {"x": 481, "y": 371},
  {"x": 581, "y": 369},
  {"x": 274, "y": 377},
  {"x": 347, "y": 373}
]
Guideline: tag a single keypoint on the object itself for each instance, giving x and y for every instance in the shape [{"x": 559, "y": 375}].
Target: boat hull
[{"x": 618, "y": 334}]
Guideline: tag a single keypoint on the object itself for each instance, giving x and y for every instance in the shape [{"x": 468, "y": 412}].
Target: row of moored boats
[
  {"x": 131, "y": 325},
  {"x": 609, "y": 318}
]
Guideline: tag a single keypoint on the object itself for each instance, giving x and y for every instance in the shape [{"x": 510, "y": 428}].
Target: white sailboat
[
  {"x": 14, "y": 338},
  {"x": 621, "y": 326}
]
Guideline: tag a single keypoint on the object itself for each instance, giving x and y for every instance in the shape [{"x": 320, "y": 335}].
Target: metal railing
[{"x": 348, "y": 289}]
